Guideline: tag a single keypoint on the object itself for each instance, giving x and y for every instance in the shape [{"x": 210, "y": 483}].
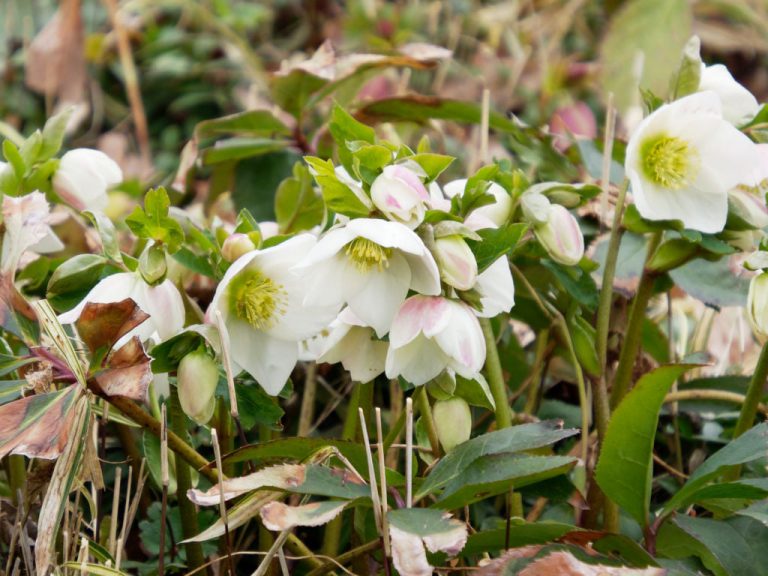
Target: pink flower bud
[
  {"x": 400, "y": 195},
  {"x": 457, "y": 264},
  {"x": 561, "y": 236}
]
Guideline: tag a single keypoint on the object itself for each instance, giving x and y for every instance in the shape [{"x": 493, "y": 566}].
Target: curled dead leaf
[
  {"x": 278, "y": 516},
  {"x": 102, "y": 325},
  {"x": 280, "y": 476},
  {"x": 128, "y": 372}
]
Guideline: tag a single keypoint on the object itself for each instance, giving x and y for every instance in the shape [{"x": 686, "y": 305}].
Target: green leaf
[
  {"x": 625, "y": 469},
  {"x": 514, "y": 439},
  {"x": 656, "y": 28},
  {"x": 433, "y": 164},
  {"x": 718, "y": 545},
  {"x": 420, "y": 521},
  {"x": 337, "y": 196},
  {"x": 421, "y": 109},
  {"x": 574, "y": 281},
  {"x": 12, "y": 156},
  {"x": 252, "y": 123},
  {"x": 714, "y": 283},
  {"x": 30, "y": 149},
  {"x": 53, "y": 133},
  {"x": 72, "y": 280},
  {"x": 496, "y": 242},
  {"x": 297, "y": 206},
  {"x": 257, "y": 407},
  {"x": 106, "y": 229},
  {"x": 746, "y": 448},
  {"x": 239, "y": 148},
  {"x": 521, "y": 533},
  {"x": 497, "y": 474},
  {"x": 153, "y": 221},
  {"x": 151, "y": 445},
  {"x": 292, "y": 91}
]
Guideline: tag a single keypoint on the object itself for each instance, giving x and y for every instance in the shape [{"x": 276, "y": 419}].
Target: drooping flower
[
  {"x": 27, "y": 221},
  {"x": 431, "y": 334},
  {"x": 162, "y": 302},
  {"x": 400, "y": 195},
  {"x": 555, "y": 228},
  {"x": 370, "y": 265},
  {"x": 83, "y": 178},
  {"x": 453, "y": 420},
  {"x": 683, "y": 160},
  {"x": 261, "y": 302},
  {"x": 355, "y": 345},
  {"x": 738, "y": 103}
]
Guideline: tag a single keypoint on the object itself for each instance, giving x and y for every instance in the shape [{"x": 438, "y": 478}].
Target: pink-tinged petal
[
  {"x": 462, "y": 340},
  {"x": 385, "y": 290},
  {"x": 27, "y": 225},
  {"x": 269, "y": 360},
  {"x": 419, "y": 314},
  {"x": 418, "y": 362},
  {"x": 409, "y": 177}
]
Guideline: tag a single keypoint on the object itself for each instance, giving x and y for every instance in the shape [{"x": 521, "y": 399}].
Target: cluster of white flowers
[{"x": 370, "y": 293}]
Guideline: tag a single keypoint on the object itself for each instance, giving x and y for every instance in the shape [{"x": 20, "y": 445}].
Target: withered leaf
[
  {"x": 38, "y": 426},
  {"x": 278, "y": 516},
  {"x": 101, "y": 325},
  {"x": 128, "y": 372}
]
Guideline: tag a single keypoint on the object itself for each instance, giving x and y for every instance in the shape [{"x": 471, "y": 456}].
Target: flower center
[
  {"x": 669, "y": 162},
  {"x": 257, "y": 299},
  {"x": 366, "y": 254}
]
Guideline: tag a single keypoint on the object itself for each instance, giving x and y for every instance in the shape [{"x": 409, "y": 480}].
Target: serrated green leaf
[{"x": 496, "y": 242}]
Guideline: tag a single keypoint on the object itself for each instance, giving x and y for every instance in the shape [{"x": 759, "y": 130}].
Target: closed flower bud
[
  {"x": 536, "y": 207},
  {"x": 83, "y": 178},
  {"x": 561, "y": 236},
  {"x": 236, "y": 245},
  {"x": 453, "y": 420},
  {"x": 746, "y": 210},
  {"x": 400, "y": 195},
  {"x": 757, "y": 304},
  {"x": 152, "y": 264},
  {"x": 457, "y": 264},
  {"x": 197, "y": 376}
]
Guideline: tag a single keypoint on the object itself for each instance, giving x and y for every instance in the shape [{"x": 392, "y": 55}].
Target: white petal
[
  {"x": 361, "y": 354},
  {"x": 165, "y": 306},
  {"x": 114, "y": 288},
  {"x": 739, "y": 105},
  {"x": 219, "y": 301},
  {"x": 425, "y": 276},
  {"x": 418, "y": 362},
  {"x": 377, "y": 302},
  {"x": 328, "y": 246},
  {"x": 462, "y": 340},
  {"x": 269, "y": 360},
  {"x": 330, "y": 282},
  {"x": 387, "y": 234},
  {"x": 496, "y": 289}
]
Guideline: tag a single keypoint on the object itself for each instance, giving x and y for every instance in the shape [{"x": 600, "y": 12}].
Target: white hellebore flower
[
  {"x": 738, "y": 104},
  {"x": 370, "y": 264},
  {"x": 684, "y": 158},
  {"x": 355, "y": 345},
  {"x": 488, "y": 216},
  {"x": 261, "y": 302},
  {"x": 430, "y": 334},
  {"x": 400, "y": 195},
  {"x": 27, "y": 228},
  {"x": 496, "y": 289},
  {"x": 83, "y": 178},
  {"x": 162, "y": 302}
]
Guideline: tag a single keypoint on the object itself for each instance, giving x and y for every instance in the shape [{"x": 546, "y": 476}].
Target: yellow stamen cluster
[
  {"x": 367, "y": 254},
  {"x": 257, "y": 299},
  {"x": 669, "y": 162}
]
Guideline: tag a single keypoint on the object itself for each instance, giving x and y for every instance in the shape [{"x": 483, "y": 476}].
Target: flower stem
[
  {"x": 189, "y": 525},
  {"x": 426, "y": 418},
  {"x": 495, "y": 376},
  {"x": 308, "y": 399},
  {"x": 602, "y": 406},
  {"x": 633, "y": 336}
]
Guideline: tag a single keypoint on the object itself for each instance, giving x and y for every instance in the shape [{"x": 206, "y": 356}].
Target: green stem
[
  {"x": 308, "y": 400},
  {"x": 534, "y": 388},
  {"x": 428, "y": 421},
  {"x": 345, "y": 558},
  {"x": 580, "y": 384},
  {"x": 633, "y": 336},
  {"x": 495, "y": 376},
  {"x": 224, "y": 430},
  {"x": 189, "y": 525},
  {"x": 602, "y": 406},
  {"x": 17, "y": 472}
]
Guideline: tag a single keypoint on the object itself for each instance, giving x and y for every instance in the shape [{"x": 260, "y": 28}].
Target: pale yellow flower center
[
  {"x": 669, "y": 162},
  {"x": 367, "y": 254},
  {"x": 257, "y": 299}
]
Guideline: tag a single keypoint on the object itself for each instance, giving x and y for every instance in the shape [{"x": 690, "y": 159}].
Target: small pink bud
[
  {"x": 457, "y": 264},
  {"x": 561, "y": 236}
]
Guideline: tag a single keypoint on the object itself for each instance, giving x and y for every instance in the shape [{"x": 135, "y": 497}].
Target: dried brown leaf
[
  {"x": 128, "y": 373},
  {"x": 279, "y": 516},
  {"x": 101, "y": 325}
]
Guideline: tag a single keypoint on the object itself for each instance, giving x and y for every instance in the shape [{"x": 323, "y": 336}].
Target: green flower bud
[
  {"x": 236, "y": 245},
  {"x": 453, "y": 420},
  {"x": 197, "y": 377}
]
